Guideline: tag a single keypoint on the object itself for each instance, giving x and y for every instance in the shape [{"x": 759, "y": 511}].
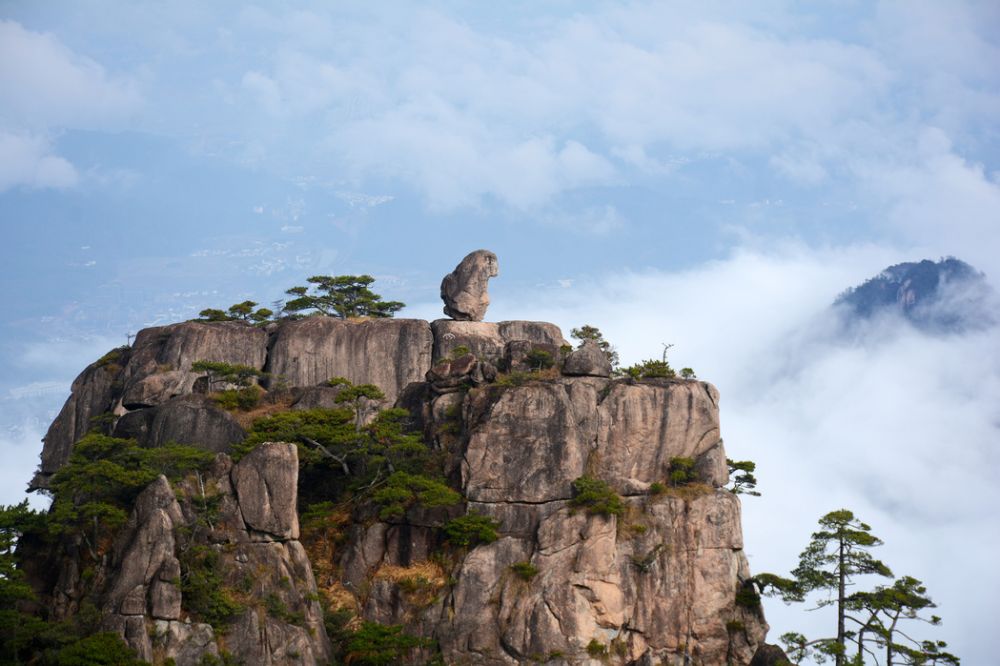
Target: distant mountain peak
[{"x": 946, "y": 296}]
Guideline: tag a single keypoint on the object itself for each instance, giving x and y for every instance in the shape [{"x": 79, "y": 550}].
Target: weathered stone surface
[
  {"x": 486, "y": 340},
  {"x": 587, "y": 360},
  {"x": 318, "y": 397},
  {"x": 91, "y": 395},
  {"x": 464, "y": 290},
  {"x": 158, "y": 368},
  {"x": 520, "y": 356},
  {"x": 645, "y": 425},
  {"x": 266, "y": 484},
  {"x": 190, "y": 419},
  {"x": 390, "y": 353}
]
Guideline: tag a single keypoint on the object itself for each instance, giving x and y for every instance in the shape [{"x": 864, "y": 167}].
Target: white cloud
[
  {"x": 28, "y": 161},
  {"x": 44, "y": 84}
]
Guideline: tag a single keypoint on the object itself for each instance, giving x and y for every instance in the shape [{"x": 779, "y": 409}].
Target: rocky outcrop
[
  {"x": 249, "y": 543},
  {"x": 190, "y": 419},
  {"x": 90, "y": 396},
  {"x": 389, "y": 353},
  {"x": 487, "y": 340},
  {"x": 159, "y": 367},
  {"x": 464, "y": 289},
  {"x": 655, "y": 584}
]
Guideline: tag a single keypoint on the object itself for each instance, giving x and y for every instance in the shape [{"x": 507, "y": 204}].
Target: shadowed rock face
[
  {"x": 190, "y": 419},
  {"x": 464, "y": 289},
  {"x": 91, "y": 395}
]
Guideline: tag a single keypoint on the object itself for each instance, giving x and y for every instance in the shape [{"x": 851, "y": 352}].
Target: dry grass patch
[
  {"x": 420, "y": 582},
  {"x": 246, "y": 419}
]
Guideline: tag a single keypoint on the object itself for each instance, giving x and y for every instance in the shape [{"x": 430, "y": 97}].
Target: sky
[{"x": 709, "y": 175}]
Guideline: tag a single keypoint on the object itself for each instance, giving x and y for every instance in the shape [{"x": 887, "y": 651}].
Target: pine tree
[
  {"x": 837, "y": 553},
  {"x": 342, "y": 296}
]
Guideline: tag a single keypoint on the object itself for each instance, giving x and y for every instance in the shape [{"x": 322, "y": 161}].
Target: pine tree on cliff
[
  {"x": 341, "y": 296},
  {"x": 837, "y": 553}
]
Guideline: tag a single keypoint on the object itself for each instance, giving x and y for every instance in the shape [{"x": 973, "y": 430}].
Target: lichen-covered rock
[
  {"x": 266, "y": 484},
  {"x": 588, "y": 360},
  {"x": 190, "y": 419},
  {"x": 464, "y": 289},
  {"x": 389, "y": 353},
  {"x": 159, "y": 367}
]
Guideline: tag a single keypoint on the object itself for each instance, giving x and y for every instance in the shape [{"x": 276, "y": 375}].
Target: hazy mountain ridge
[{"x": 943, "y": 297}]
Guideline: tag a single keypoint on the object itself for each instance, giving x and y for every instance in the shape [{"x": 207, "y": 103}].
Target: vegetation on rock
[
  {"x": 342, "y": 296},
  {"x": 597, "y": 497}
]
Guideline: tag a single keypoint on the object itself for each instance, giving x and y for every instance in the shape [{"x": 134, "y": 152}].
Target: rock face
[
  {"x": 159, "y": 367},
  {"x": 252, "y": 542},
  {"x": 389, "y": 353},
  {"x": 656, "y": 584},
  {"x": 488, "y": 340},
  {"x": 464, "y": 289},
  {"x": 190, "y": 419},
  {"x": 91, "y": 395}
]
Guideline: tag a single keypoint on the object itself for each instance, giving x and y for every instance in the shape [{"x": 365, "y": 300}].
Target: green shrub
[
  {"x": 657, "y": 488},
  {"x": 597, "y": 649},
  {"x": 375, "y": 644},
  {"x": 202, "y": 589},
  {"x": 650, "y": 369},
  {"x": 103, "y": 649},
  {"x": 597, "y": 497},
  {"x": 747, "y": 596},
  {"x": 539, "y": 359},
  {"x": 682, "y": 471},
  {"x": 688, "y": 373},
  {"x": 403, "y": 490},
  {"x": 242, "y": 399},
  {"x": 524, "y": 570},
  {"x": 471, "y": 529},
  {"x": 276, "y": 608},
  {"x": 458, "y": 352}
]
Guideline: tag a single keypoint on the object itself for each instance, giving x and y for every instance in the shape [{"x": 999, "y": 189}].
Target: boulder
[
  {"x": 588, "y": 360},
  {"x": 464, "y": 289},
  {"x": 525, "y": 356},
  {"x": 770, "y": 655},
  {"x": 389, "y": 353},
  {"x": 266, "y": 485},
  {"x": 191, "y": 419}
]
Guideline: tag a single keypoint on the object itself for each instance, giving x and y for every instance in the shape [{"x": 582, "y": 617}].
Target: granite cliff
[{"x": 660, "y": 578}]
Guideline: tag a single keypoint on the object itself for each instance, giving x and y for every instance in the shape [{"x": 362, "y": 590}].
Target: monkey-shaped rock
[{"x": 464, "y": 289}]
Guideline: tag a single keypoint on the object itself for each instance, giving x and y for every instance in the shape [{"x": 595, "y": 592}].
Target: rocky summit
[
  {"x": 946, "y": 296},
  {"x": 552, "y": 529}
]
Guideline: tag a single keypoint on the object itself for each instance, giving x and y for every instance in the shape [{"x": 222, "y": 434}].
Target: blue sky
[{"x": 708, "y": 174}]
